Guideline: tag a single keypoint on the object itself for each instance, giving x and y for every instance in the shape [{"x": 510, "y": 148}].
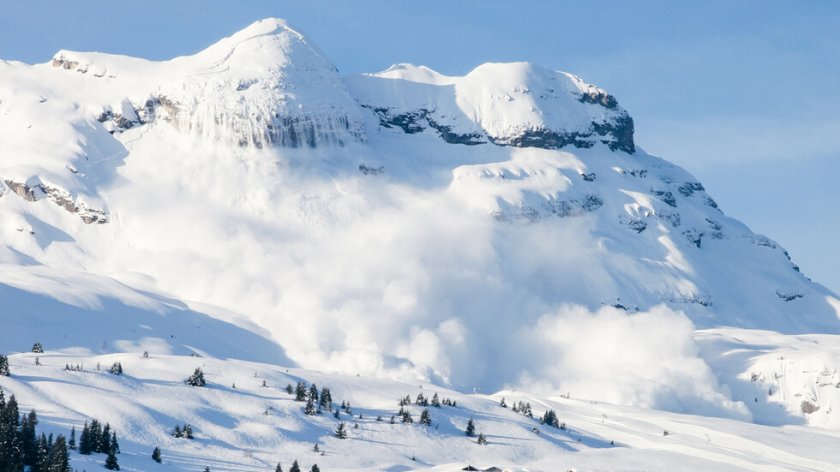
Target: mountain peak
[{"x": 509, "y": 104}]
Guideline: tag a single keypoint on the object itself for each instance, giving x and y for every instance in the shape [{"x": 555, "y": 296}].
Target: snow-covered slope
[{"x": 497, "y": 230}]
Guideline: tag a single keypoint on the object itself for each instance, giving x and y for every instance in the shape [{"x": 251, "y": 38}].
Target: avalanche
[{"x": 496, "y": 232}]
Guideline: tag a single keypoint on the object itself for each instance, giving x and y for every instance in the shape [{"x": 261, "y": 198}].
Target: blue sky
[{"x": 743, "y": 94}]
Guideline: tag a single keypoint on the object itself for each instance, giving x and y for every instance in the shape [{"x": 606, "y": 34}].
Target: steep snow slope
[{"x": 474, "y": 231}]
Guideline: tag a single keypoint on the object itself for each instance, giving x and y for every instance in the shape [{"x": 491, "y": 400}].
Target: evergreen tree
[
  {"x": 295, "y": 467},
  {"x": 114, "y": 442},
  {"x": 116, "y": 368},
  {"x": 550, "y": 418},
  {"x": 313, "y": 393},
  {"x": 289, "y": 390},
  {"x": 435, "y": 400},
  {"x": 425, "y": 417},
  {"x": 470, "y": 431},
  {"x": 42, "y": 455},
  {"x": 337, "y": 413},
  {"x": 176, "y": 433},
  {"x": 502, "y": 403},
  {"x": 310, "y": 408},
  {"x": 105, "y": 442},
  {"x": 96, "y": 436},
  {"x": 156, "y": 455},
  {"x": 406, "y": 417},
  {"x": 37, "y": 348},
  {"x": 188, "y": 431},
  {"x": 341, "y": 431},
  {"x": 315, "y": 468},
  {"x": 85, "y": 443},
  {"x": 196, "y": 379},
  {"x": 482, "y": 439},
  {"x": 4, "y": 366},
  {"x": 59, "y": 456},
  {"x": 72, "y": 443},
  {"x": 111, "y": 460},
  {"x": 279, "y": 468},
  {"x": 300, "y": 392},
  {"x": 28, "y": 439},
  {"x": 326, "y": 399}
]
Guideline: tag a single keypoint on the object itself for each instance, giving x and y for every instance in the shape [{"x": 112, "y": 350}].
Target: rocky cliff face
[{"x": 515, "y": 104}]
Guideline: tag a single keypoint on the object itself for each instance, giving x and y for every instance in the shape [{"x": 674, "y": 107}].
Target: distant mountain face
[{"x": 398, "y": 223}]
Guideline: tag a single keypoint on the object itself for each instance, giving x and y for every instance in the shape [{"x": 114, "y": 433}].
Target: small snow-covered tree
[
  {"x": 310, "y": 408},
  {"x": 156, "y": 455},
  {"x": 326, "y": 399},
  {"x": 425, "y": 417},
  {"x": 482, "y": 439},
  {"x": 470, "y": 431},
  {"x": 196, "y": 379},
  {"x": 341, "y": 431},
  {"x": 502, "y": 403},
  {"x": 300, "y": 392},
  {"x": 4, "y": 366},
  {"x": 279, "y": 468},
  {"x": 111, "y": 461},
  {"x": 435, "y": 400},
  {"x": 38, "y": 348},
  {"x": 116, "y": 368},
  {"x": 315, "y": 468},
  {"x": 295, "y": 467}
]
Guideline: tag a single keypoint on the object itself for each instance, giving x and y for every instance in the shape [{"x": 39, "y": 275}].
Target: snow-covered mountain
[{"x": 496, "y": 230}]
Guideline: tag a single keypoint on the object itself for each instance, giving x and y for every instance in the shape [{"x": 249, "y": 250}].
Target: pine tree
[
  {"x": 188, "y": 431},
  {"x": 28, "y": 438},
  {"x": 4, "y": 366},
  {"x": 313, "y": 393},
  {"x": 326, "y": 399},
  {"x": 37, "y": 348},
  {"x": 435, "y": 400},
  {"x": 156, "y": 455},
  {"x": 300, "y": 392},
  {"x": 176, "y": 433},
  {"x": 72, "y": 443},
  {"x": 289, "y": 389},
  {"x": 116, "y": 368},
  {"x": 85, "y": 443},
  {"x": 41, "y": 459},
  {"x": 111, "y": 461},
  {"x": 105, "y": 442},
  {"x": 310, "y": 409},
  {"x": 206, "y": 468},
  {"x": 295, "y": 467},
  {"x": 482, "y": 439},
  {"x": 11, "y": 455},
  {"x": 425, "y": 417},
  {"x": 95, "y": 434},
  {"x": 550, "y": 418},
  {"x": 196, "y": 379},
  {"x": 114, "y": 442},
  {"x": 502, "y": 403},
  {"x": 315, "y": 468},
  {"x": 59, "y": 460},
  {"x": 470, "y": 431},
  {"x": 279, "y": 468},
  {"x": 341, "y": 431}
]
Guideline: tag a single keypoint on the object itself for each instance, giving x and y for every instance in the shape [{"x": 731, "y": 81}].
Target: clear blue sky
[{"x": 744, "y": 94}]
